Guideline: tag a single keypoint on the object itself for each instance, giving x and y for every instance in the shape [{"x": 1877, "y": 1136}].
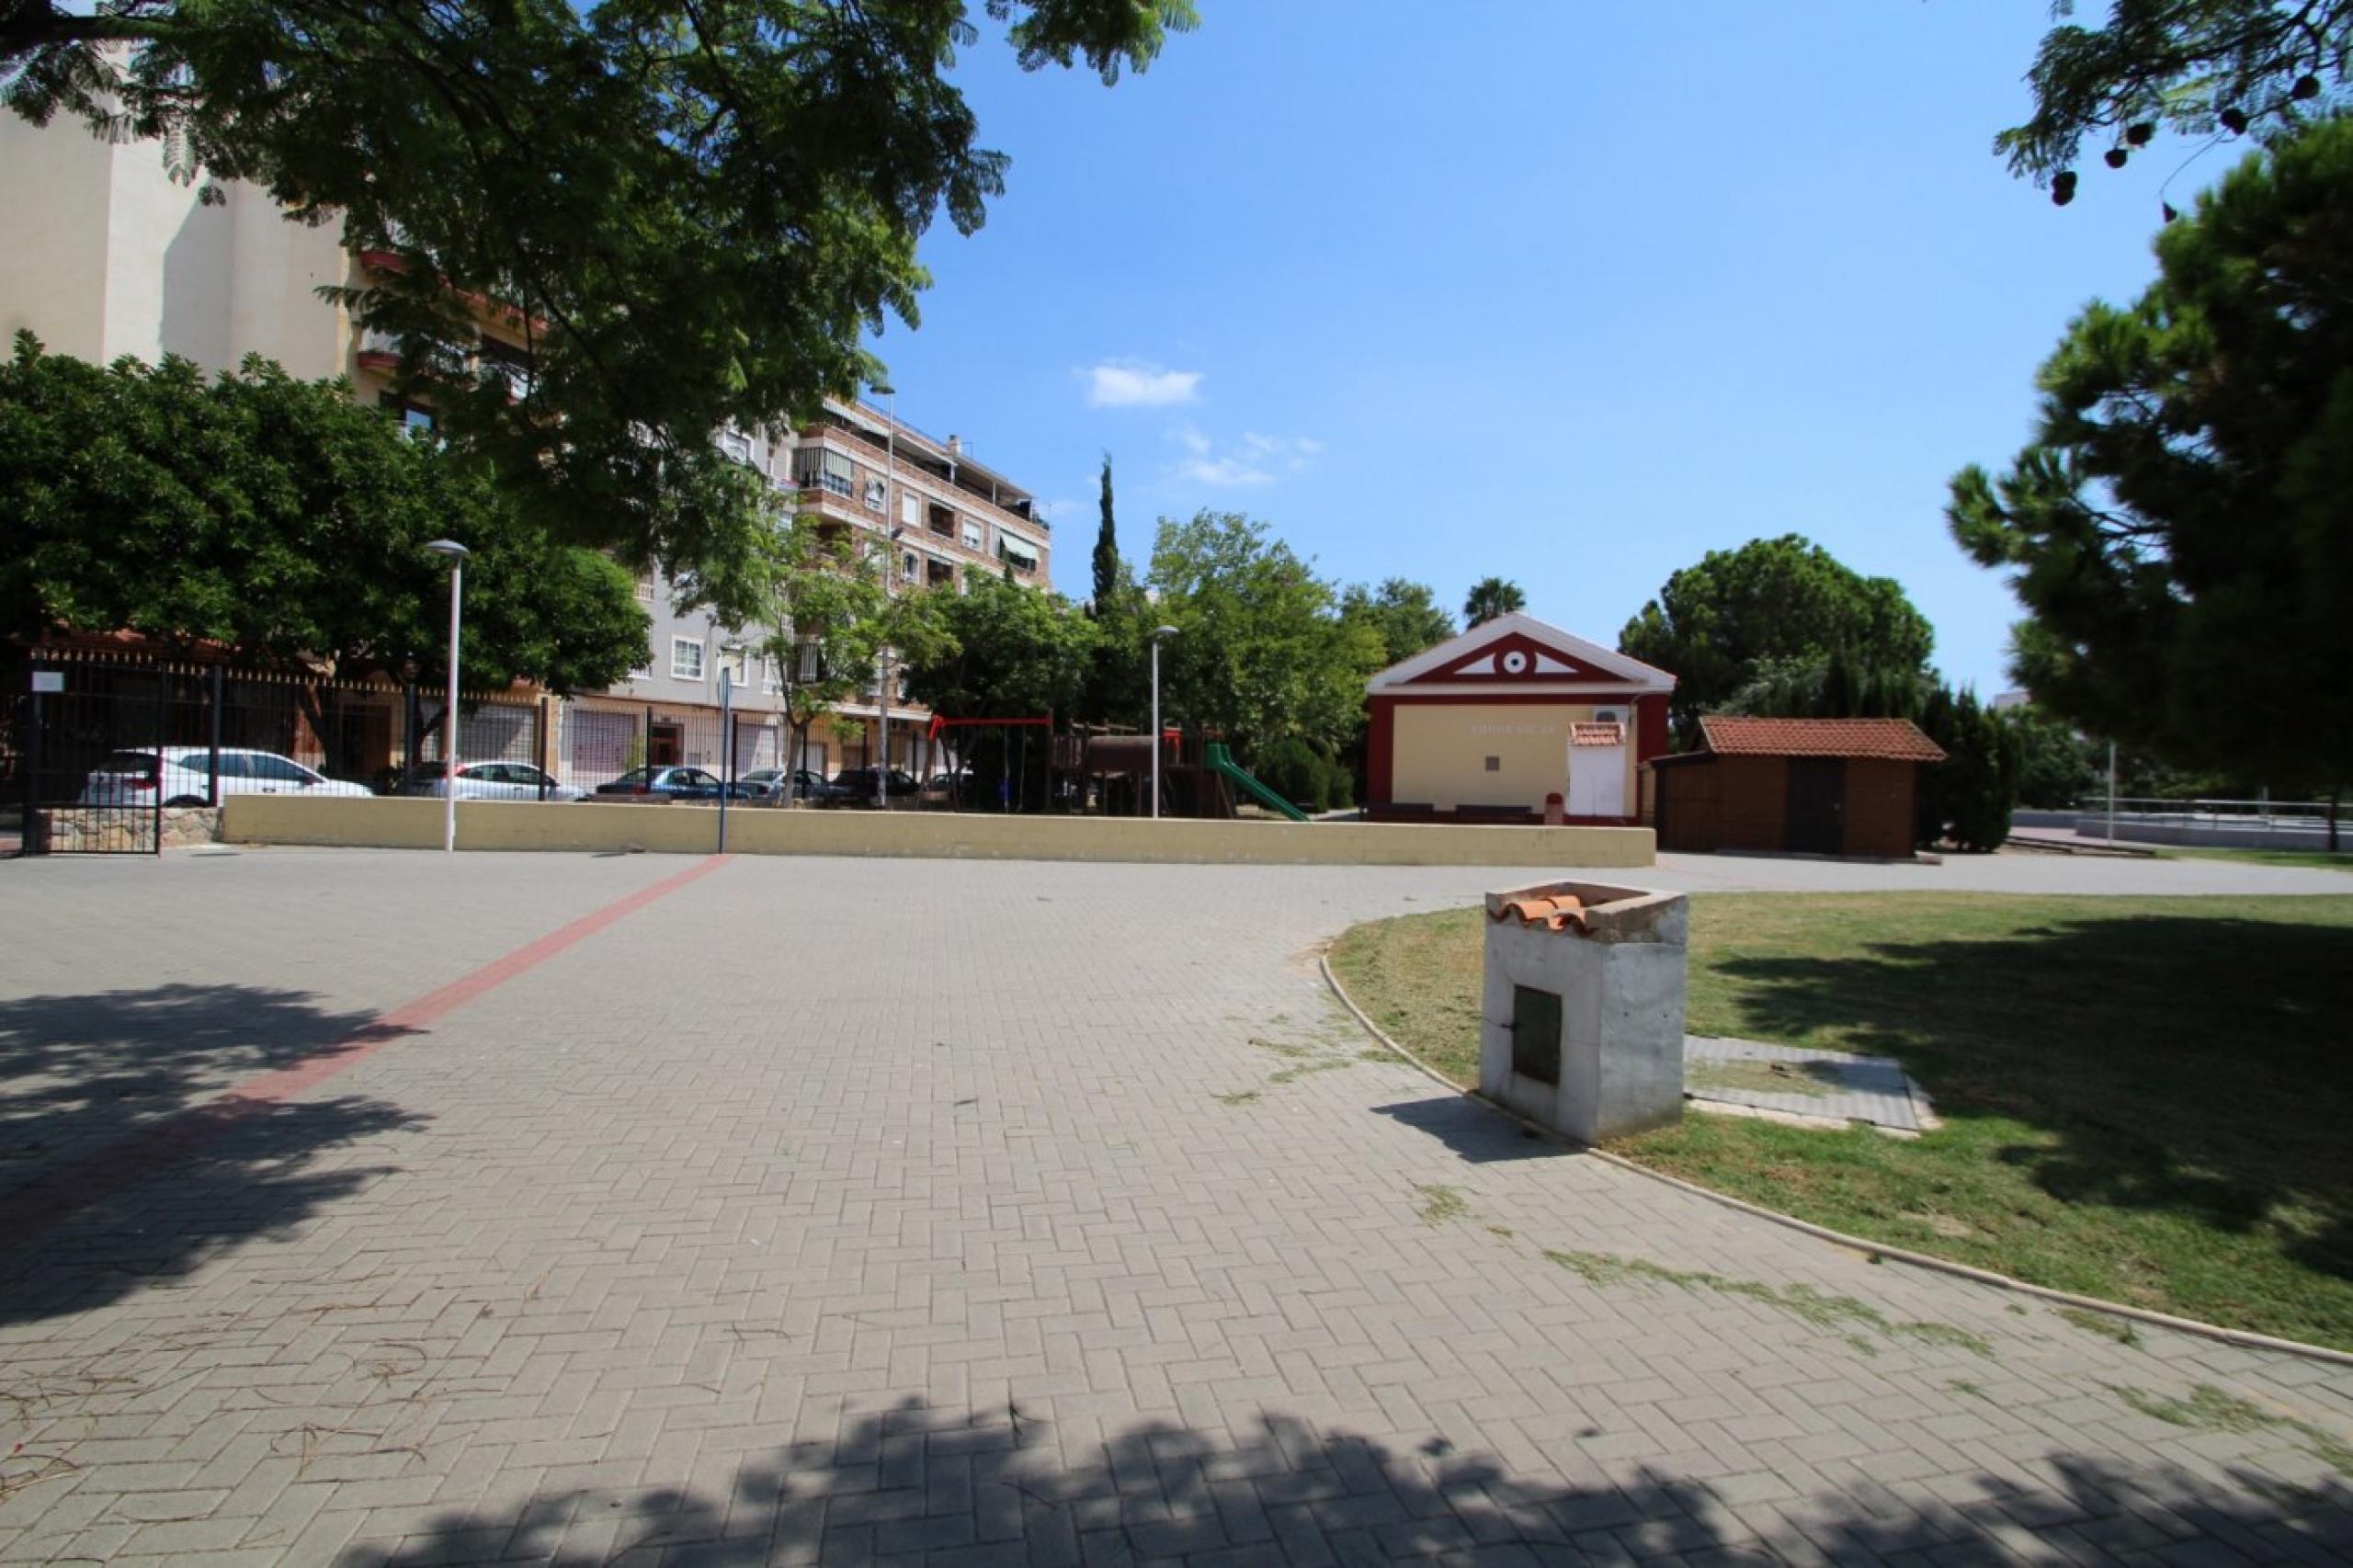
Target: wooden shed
[{"x": 1793, "y": 786}]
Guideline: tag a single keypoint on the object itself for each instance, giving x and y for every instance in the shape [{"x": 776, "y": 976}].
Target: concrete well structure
[{"x": 1581, "y": 1021}]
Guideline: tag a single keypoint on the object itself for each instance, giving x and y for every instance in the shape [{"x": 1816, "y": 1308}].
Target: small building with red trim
[
  {"x": 1488, "y": 726},
  {"x": 1793, "y": 786}
]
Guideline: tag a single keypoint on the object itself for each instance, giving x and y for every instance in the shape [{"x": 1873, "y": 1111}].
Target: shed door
[{"x": 1817, "y": 820}]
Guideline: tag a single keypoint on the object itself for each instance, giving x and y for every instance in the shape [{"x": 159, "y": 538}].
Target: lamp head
[
  {"x": 1164, "y": 632},
  {"x": 450, "y": 548}
]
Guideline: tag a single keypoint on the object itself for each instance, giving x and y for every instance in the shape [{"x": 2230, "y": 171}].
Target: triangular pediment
[{"x": 1519, "y": 651}]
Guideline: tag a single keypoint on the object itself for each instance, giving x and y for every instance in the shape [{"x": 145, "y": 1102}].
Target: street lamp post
[
  {"x": 890, "y": 563},
  {"x": 1158, "y": 632},
  {"x": 455, "y": 553},
  {"x": 728, "y": 651},
  {"x": 882, "y": 691}
]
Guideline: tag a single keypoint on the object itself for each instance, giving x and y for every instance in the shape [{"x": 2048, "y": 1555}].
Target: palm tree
[{"x": 1490, "y": 597}]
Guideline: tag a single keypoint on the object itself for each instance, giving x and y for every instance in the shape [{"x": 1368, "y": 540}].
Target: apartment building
[
  {"x": 111, "y": 257},
  {"x": 929, "y": 515}
]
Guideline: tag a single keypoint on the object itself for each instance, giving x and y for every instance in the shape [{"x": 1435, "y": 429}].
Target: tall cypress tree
[{"x": 1107, "y": 547}]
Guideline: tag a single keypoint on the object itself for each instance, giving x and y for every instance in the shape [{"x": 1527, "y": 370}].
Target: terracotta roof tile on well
[{"x": 1895, "y": 740}]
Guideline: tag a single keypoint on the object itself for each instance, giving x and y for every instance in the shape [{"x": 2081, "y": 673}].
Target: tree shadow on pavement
[
  {"x": 125, "y": 1155},
  {"x": 2189, "y": 1065},
  {"x": 915, "y": 1479},
  {"x": 78, "y": 1074}
]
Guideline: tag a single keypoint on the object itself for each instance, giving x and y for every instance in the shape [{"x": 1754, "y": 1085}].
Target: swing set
[{"x": 1012, "y": 791}]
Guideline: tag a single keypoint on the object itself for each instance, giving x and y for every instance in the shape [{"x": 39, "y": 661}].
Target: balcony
[{"x": 1013, "y": 503}]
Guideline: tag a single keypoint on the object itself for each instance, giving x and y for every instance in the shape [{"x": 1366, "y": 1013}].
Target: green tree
[
  {"x": 696, "y": 208},
  {"x": 1717, "y": 625},
  {"x": 824, "y": 618},
  {"x": 1967, "y": 799},
  {"x": 2180, "y": 531},
  {"x": 1404, "y": 616},
  {"x": 1120, "y": 691},
  {"x": 1106, "y": 544},
  {"x": 1261, "y": 651},
  {"x": 277, "y": 520},
  {"x": 1490, "y": 597},
  {"x": 1001, "y": 651},
  {"x": 2203, "y": 67},
  {"x": 1841, "y": 684},
  {"x": 2057, "y": 767}
]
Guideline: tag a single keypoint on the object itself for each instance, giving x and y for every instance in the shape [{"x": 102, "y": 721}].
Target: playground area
[{"x": 1027, "y": 764}]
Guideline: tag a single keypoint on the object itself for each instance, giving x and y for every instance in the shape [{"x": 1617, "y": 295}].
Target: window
[
  {"x": 878, "y": 496},
  {"x": 910, "y": 509},
  {"x": 509, "y": 360},
  {"x": 1018, "y": 551},
  {"x": 772, "y": 678},
  {"x": 816, "y": 468},
  {"x": 910, "y": 569},
  {"x": 971, "y": 534},
  {"x": 736, "y": 445},
  {"x": 685, "y": 658},
  {"x": 812, "y": 663},
  {"x": 414, "y": 418},
  {"x": 277, "y": 769}
]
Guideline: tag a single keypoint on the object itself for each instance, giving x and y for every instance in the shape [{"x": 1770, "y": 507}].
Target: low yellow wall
[{"x": 415, "y": 824}]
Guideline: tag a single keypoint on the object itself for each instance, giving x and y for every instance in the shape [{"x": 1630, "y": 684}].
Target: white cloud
[
  {"x": 1255, "y": 459},
  {"x": 1133, "y": 383},
  {"x": 1221, "y": 472}
]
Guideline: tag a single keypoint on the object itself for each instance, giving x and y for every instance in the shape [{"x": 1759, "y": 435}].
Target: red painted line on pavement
[{"x": 39, "y": 1204}]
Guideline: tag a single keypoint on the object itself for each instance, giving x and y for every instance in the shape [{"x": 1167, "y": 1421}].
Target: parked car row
[{"x": 184, "y": 776}]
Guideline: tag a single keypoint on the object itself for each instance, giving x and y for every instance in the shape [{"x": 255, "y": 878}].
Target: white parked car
[
  {"x": 179, "y": 776},
  {"x": 494, "y": 781}
]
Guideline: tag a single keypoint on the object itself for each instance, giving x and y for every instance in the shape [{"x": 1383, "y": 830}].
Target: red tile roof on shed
[{"x": 1895, "y": 740}]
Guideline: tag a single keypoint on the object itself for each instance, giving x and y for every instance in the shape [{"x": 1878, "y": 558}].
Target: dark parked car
[
  {"x": 855, "y": 787},
  {"x": 669, "y": 784},
  {"x": 774, "y": 786}
]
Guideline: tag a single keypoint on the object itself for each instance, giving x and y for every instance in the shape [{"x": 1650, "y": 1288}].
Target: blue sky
[{"x": 1567, "y": 292}]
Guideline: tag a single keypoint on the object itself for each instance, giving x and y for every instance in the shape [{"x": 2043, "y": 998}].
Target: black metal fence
[{"x": 102, "y": 744}]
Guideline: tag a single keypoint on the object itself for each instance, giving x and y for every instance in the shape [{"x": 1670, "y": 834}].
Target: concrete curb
[{"x": 2237, "y": 1336}]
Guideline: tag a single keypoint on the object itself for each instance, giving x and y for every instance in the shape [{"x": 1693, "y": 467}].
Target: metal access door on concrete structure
[{"x": 1817, "y": 810}]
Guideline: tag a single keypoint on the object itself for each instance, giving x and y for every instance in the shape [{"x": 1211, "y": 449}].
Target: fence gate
[{"x": 92, "y": 767}]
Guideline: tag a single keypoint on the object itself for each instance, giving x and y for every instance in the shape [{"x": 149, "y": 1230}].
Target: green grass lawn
[{"x": 2147, "y": 1100}]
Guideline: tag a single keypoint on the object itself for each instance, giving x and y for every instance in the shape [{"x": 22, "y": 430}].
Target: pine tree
[{"x": 1107, "y": 547}]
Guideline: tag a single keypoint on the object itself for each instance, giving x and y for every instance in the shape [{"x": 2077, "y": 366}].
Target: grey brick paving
[{"x": 838, "y": 1211}]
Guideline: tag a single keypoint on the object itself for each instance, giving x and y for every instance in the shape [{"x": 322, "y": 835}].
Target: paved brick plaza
[{"x": 845, "y": 1211}]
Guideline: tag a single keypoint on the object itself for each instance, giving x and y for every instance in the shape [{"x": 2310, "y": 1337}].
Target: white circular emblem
[{"x": 1515, "y": 662}]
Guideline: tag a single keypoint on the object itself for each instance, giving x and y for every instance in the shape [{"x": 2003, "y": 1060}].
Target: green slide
[{"x": 1222, "y": 761}]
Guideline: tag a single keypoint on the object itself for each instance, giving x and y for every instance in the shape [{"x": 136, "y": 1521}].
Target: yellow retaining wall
[{"x": 415, "y": 824}]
